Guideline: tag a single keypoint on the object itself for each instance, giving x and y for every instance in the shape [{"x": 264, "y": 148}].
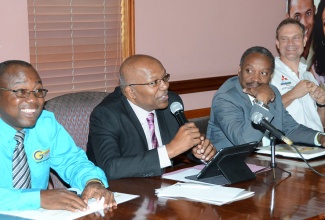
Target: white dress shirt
[{"x": 162, "y": 151}]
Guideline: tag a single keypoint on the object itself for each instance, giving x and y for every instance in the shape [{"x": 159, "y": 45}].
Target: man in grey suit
[
  {"x": 239, "y": 97},
  {"x": 120, "y": 140}
]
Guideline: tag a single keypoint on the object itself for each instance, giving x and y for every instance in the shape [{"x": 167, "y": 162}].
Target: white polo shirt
[{"x": 304, "y": 109}]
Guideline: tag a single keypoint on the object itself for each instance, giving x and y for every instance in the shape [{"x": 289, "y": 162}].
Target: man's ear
[
  {"x": 130, "y": 93},
  {"x": 277, "y": 44},
  {"x": 305, "y": 40},
  {"x": 239, "y": 69}
]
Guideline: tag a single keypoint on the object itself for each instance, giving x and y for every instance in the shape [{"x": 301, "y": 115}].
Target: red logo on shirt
[{"x": 284, "y": 78}]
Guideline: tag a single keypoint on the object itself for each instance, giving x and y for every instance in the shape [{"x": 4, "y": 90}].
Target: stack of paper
[
  {"x": 94, "y": 206},
  {"x": 216, "y": 194}
]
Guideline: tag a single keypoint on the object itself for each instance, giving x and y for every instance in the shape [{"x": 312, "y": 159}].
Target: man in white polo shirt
[{"x": 301, "y": 95}]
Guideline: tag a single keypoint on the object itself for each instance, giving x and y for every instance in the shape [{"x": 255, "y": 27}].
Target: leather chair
[
  {"x": 72, "y": 110},
  {"x": 201, "y": 123}
]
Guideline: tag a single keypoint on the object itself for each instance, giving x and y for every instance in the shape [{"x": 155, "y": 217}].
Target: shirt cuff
[
  {"x": 163, "y": 157},
  {"x": 316, "y": 139}
]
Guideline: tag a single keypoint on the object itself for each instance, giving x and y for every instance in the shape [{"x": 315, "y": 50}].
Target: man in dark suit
[{"x": 120, "y": 140}]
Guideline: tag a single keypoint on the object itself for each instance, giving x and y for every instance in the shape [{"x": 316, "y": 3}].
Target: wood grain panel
[{"x": 198, "y": 85}]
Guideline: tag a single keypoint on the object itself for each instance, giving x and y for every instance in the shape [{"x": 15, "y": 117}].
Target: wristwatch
[
  {"x": 320, "y": 105},
  {"x": 260, "y": 103}
]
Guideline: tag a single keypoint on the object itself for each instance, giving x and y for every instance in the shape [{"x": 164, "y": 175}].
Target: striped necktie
[
  {"x": 20, "y": 168},
  {"x": 151, "y": 123}
]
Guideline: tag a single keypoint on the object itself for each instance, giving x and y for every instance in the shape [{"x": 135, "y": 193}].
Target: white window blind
[{"x": 76, "y": 45}]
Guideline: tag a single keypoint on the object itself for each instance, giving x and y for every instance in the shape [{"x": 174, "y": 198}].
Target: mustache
[{"x": 253, "y": 84}]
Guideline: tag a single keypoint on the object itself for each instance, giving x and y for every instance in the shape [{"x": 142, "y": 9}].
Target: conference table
[{"x": 299, "y": 196}]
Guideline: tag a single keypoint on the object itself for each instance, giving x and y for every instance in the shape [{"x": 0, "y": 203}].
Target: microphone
[
  {"x": 257, "y": 118},
  {"x": 177, "y": 109}
]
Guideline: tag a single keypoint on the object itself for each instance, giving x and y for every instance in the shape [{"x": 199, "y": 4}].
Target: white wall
[
  {"x": 14, "y": 39},
  {"x": 192, "y": 38},
  {"x": 205, "y": 38}
]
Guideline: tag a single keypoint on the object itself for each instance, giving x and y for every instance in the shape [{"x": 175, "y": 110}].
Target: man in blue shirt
[{"x": 47, "y": 145}]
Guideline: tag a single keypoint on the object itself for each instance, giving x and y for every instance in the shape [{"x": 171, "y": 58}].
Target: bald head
[{"x": 134, "y": 67}]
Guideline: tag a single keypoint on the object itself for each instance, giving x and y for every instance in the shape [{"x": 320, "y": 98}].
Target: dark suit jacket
[
  {"x": 230, "y": 118},
  {"x": 117, "y": 142}
]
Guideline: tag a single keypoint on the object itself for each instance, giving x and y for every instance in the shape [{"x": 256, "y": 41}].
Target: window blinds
[{"x": 77, "y": 45}]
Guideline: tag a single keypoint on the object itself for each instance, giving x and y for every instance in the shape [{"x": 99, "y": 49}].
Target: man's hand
[
  {"x": 303, "y": 87},
  {"x": 262, "y": 93},
  {"x": 300, "y": 90},
  {"x": 187, "y": 136},
  {"x": 318, "y": 95},
  {"x": 62, "y": 199},
  {"x": 205, "y": 150},
  {"x": 97, "y": 191}
]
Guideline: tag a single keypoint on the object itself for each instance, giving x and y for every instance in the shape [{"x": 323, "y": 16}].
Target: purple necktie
[{"x": 151, "y": 123}]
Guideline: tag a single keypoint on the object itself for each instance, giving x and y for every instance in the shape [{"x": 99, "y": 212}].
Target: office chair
[{"x": 72, "y": 111}]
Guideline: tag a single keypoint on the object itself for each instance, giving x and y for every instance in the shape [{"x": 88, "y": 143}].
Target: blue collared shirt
[{"x": 47, "y": 145}]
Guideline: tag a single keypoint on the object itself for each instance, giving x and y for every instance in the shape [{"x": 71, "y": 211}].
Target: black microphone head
[
  {"x": 175, "y": 107},
  {"x": 257, "y": 117}
]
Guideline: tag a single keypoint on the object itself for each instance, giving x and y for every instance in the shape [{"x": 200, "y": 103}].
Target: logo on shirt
[
  {"x": 285, "y": 81},
  {"x": 40, "y": 156}
]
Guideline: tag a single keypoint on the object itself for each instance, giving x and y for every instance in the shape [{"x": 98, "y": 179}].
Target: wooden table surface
[{"x": 300, "y": 196}]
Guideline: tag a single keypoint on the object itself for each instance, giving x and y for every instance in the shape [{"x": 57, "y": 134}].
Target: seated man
[
  {"x": 122, "y": 142},
  {"x": 240, "y": 96},
  {"x": 298, "y": 87},
  {"x": 32, "y": 142}
]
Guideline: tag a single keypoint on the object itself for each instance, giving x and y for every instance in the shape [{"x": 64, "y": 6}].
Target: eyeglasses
[
  {"x": 24, "y": 93},
  {"x": 153, "y": 83}
]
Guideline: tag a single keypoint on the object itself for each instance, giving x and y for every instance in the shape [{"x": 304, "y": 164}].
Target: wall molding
[
  {"x": 198, "y": 85},
  {"x": 197, "y": 113}
]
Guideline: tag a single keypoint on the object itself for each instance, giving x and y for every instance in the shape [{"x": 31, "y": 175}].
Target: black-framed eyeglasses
[
  {"x": 153, "y": 83},
  {"x": 25, "y": 93}
]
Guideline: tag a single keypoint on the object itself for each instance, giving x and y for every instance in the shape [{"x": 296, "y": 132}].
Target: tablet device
[{"x": 227, "y": 166}]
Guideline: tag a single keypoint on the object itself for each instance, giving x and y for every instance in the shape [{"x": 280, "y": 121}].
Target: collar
[
  {"x": 7, "y": 133},
  {"x": 140, "y": 112},
  {"x": 301, "y": 68}
]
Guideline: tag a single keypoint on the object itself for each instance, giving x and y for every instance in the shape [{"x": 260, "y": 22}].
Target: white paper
[
  {"x": 215, "y": 194},
  {"x": 287, "y": 151},
  {"x": 94, "y": 206},
  {"x": 179, "y": 175}
]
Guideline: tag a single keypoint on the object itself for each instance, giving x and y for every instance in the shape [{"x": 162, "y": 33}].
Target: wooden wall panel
[{"x": 197, "y": 85}]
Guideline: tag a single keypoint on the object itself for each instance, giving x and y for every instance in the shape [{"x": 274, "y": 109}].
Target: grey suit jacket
[
  {"x": 230, "y": 118},
  {"x": 117, "y": 143}
]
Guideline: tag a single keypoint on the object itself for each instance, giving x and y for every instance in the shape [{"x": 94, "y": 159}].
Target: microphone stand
[{"x": 273, "y": 164}]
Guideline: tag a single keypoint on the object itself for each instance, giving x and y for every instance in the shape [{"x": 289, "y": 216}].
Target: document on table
[
  {"x": 179, "y": 175},
  {"x": 216, "y": 195},
  {"x": 67, "y": 215},
  {"x": 285, "y": 150}
]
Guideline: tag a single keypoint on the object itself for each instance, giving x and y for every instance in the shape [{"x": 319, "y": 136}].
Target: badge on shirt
[
  {"x": 285, "y": 83},
  {"x": 41, "y": 155}
]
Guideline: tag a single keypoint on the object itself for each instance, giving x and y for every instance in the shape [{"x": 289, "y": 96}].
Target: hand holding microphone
[{"x": 203, "y": 150}]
